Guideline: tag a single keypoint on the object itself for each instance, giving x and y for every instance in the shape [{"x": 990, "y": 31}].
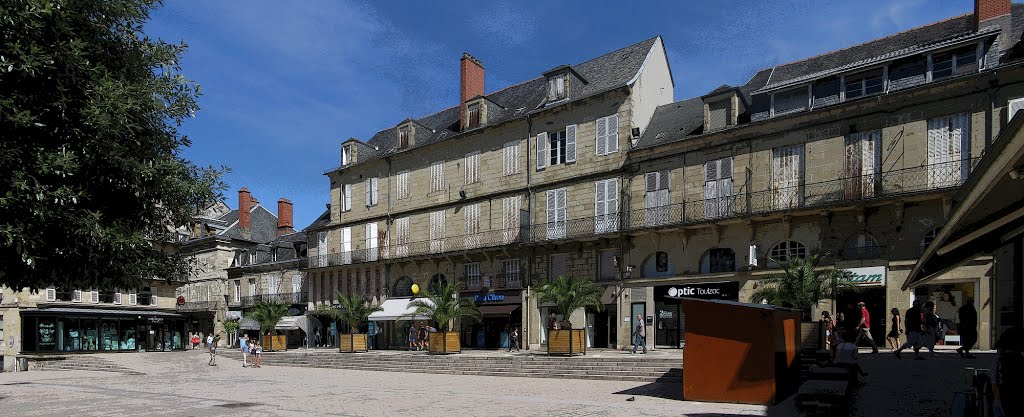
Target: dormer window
[
  {"x": 956, "y": 62},
  {"x": 789, "y": 101},
  {"x": 720, "y": 114},
  {"x": 863, "y": 84},
  {"x": 404, "y": 136},
  {"x": 473, "y": 113},
  {"x": 346, "y": 154},
  {"x": 558, "y": 87}
]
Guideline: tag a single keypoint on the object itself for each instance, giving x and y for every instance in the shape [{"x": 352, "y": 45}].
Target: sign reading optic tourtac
[{"x": 728, "y": 290}]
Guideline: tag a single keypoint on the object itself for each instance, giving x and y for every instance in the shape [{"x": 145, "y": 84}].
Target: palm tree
[
  {"x": 571, "y": 294},
  {"x": 268, "y": 313},
  {"x": 802, "y": 284},
  {"x": 231, "y": 328},
  {"x": 354, "y": 310},
  {"x": 442, "y": 304}
]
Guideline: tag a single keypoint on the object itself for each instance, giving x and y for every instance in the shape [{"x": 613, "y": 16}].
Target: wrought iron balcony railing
[
  {"x": 287, "y": 298},
  {"x": 193, "y": 306},
  {"x": 399, "y": 250},
  {"x": 496, "y": 282}
]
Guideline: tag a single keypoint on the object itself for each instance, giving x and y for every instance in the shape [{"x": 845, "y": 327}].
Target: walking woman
[
  {"x": 829, "y": 323},
  {"x": 895, "y": 330}
]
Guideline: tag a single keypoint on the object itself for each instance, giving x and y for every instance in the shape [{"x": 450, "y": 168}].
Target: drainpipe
[
  {"x": 528, "y": 330},
  {"x": 387, "y": 227}
]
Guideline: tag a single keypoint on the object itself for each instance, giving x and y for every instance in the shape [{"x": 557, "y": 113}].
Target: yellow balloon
[{"x": 415, "y": 289}]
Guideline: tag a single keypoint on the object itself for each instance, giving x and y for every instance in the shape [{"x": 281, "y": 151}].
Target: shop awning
[
  {"x": 103, "y": 312},
  {"x": 498, "y": 310},
  {"x": 286, "y": 323},
  {"x": 397, "y": 309},
  {"x": 248, "y": 323}
]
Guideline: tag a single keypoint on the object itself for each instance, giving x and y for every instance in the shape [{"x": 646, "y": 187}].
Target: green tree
[
  {"x": 571, "y": 294},
  {"x": 267, "y": 314},
  {"x": 443, "y": 305},
  {"x": 354, "y": 310},
  {"x": 231, "y": 328},
  {"x": 802, "y": 284},
  {"x": 92, "y": 180}
]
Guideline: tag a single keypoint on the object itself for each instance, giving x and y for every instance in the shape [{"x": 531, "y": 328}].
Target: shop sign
[
  {"x": 868, "y": 277},
  {"x": 157, "y": 320},
  {"x": 728, "y": 290},
  {"x": 181, "y": 300},
  {"x": 489, "y": 298}
]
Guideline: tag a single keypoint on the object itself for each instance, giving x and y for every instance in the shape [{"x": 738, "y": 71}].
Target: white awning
[
  {"x": 248, "y": 323},
  {"x": 286, "y": 323},
  {"x": 397, "y": 309}
]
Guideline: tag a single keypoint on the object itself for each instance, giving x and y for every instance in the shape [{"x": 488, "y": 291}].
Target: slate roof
[
  {"x": 320, "y": 222},
  {"x": 675, "y": 121},
  {"x": 606, "y": 72}
]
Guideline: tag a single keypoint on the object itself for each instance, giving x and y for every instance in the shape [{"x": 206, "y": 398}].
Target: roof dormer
[
  {"x": 349, "y": 152},
  {"x": 722, "y": 107},
  {"x": 406, "y": 134},
  {"x": 560, "y": 83},
  {"x": 476, "y": 113}
]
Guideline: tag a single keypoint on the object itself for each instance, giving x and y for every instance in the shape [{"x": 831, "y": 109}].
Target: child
[{"x": 258, "y": 360}]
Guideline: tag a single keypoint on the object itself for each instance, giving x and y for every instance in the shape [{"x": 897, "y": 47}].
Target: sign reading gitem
[{"x": 871, "y": 276}]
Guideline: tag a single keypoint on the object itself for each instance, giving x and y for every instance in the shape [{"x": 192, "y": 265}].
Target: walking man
[
  {"x": 912, "y": 322},
  {"x": 640, "y": 335},
  {"x": 243, "y": 342},
  {"x": 864, "y": 327},
  {"x": 211, "y": 343},
  {"x": 931, "y": 327},
  {"x": 968, "y": 328},
  {"x": 513, "y": 339}
]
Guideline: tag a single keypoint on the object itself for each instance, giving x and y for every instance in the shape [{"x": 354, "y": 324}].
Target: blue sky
[{"x": 284, "y": 82}]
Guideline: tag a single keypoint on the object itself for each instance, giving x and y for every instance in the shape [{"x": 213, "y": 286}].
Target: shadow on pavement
[{"x": 666, "y": 390}]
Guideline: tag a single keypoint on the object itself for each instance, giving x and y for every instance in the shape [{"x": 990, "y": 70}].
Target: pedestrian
[
  {"x": 194, "y": 340},
  {"x": 412, "y": 337},
  {"x": 258, "y": 352},
  {"x": 864, "y": 327},
  {"x": 895, "y": 330},
  {"x": 243, "y": 343},
  {"x": 640, "y": 334},
  {"x": 209, "y": 340},
  {"x": 931, "y": 327},
  {"x": 846, "y": 356},
  {"x": 829, "y": 323},
  {"x": 914, "y": 329},
  {"x": 513, "y": 339},
  {"x": 968, "y": 328},
  {"x": 421, "y": 337},
  {"x": 318, "y": 340},
  {"x": 1009, "y": 373},
  {"x": 212, "y": 346}
]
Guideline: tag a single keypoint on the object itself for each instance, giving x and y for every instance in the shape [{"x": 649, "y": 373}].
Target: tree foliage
[
  {"x": 267, "y": 314},
  {"x": 801, "y": 285},
  {"x": 571, "y": 294},
  {"x": 92, "y": 180},
  {"x": 443, "y": 305},
  {"x": 354, "y": 310}
]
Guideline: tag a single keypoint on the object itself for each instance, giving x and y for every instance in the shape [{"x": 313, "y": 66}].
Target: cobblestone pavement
[{"x": 181, "y": 384}]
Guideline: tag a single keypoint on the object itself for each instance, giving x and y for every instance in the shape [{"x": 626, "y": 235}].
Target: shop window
[
  {"x": 402, "y": 287},
  {"x": 718, "y": 260},
  {"x": 787, "y": 250},
  {"x": 861, "y": 246},
  {"x": 436, "y": 282},
  {"x": 928, "y": 238}
]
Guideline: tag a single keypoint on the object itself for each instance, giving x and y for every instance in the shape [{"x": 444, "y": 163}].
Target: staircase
[
  {"x": 77, "y": 363},
  {"x": 626, "y": 368}
]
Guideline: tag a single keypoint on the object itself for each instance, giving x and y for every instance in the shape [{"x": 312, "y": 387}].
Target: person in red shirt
[{"x": 864, "y": 327}]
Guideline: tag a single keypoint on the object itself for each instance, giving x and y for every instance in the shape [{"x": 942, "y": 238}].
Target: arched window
[
  {"x": 657, "y": 264},
  {"x": 436, "y": 282},
  {"x": 862, "y": 246},
  {"x": 718, "y": 260},
  {"x": 402, "y": 287},
  {"x": 787, "y": 249},
  {"x": 928, "y": 238}
]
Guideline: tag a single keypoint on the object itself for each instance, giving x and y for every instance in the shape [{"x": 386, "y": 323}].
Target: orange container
[{"x": 739, "y": 353}]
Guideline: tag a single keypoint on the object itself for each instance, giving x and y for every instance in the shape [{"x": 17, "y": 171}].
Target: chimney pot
[
  {"x": 284, "y": 217},
  {"x": 990, "y": 9},
  {"x": 471, "y": 83}
]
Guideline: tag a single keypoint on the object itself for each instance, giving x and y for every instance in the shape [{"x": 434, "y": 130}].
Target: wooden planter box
[
  {"x": 274, "y": 342},
  {"x": 352, "y": 343},
  {"x": 444, "y": 343},
  {"x": 567, "y": 342}
]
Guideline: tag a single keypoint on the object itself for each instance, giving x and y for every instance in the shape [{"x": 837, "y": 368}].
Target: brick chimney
[
  {"x": 989, "y": 9},
  {"x": 245, "y": 201},
  {"x": 471, "y": 83},
  {"x": 284, "y": 217}
]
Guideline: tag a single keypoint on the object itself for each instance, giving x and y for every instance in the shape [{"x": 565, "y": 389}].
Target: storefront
[
  {"x": 78, "y": 330},
  {"x": 948, "y": 298},
  {"x": 501, "y": 311},
  {"x": 870, "y": 282},
  {"x": 393, "y": 321},
  {"x": 668, "y": 321}
]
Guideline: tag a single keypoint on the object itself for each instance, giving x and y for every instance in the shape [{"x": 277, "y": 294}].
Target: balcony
[
  {"x": 496, "y": 282},
  {"x": 575, "y": 228},
  {"x": 286, "y": 298},
  {"x": 894, "y": 183},
  {"x": 400, "y": 250},
  {"x": 195, "y": 306}
]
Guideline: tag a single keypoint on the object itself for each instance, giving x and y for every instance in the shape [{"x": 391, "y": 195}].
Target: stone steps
[{"x": 78, "y": 363}]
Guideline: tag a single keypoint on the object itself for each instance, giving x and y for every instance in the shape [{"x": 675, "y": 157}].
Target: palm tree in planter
[
  {"x": 267, "y": 314},
  {"x": 354, "y": 310},
  {"x": 442, "y": 305},
  {"x": 231, "y": 328},
  {"x": 569, "y": 295}
]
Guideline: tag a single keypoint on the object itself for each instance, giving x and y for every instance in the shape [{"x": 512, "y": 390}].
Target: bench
[{"x": 823, "y": 397}]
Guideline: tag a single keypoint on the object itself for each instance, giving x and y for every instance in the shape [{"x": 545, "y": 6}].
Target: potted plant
[
  {"x": 442, "y": 305},
  {"x": 801, "y": 286},
  {"x": 354, "y": 310},
  {"x": 267, "y": 314},
  {"x": 569, "y": 295},
  {"x": 231, "y": 328}
]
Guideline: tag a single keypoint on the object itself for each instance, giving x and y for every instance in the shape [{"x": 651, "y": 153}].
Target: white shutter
[
  {"x": 612, "y": 124},
  {"x": 371, "y": 241},
  {"x": 560, "y": 211},
  {"x": 961, "y": 142},
  {"x": 367, "y": 189},
  {"x": 373, "y": 192},
  {"x": 871, "y": 161},
  {"x": 403, "y": 184},
  {"x": 938, "y": 148},
  {"x": 725, "y": 186},
  {"x": 611, "y": 206},
  {"x": 348, "y": 197},
  {"x": 152, "y": 298},
  {"x": 570, "y": 144},
  {"x": 511, "y": 158},
  {"x": 600, "y": 205},
  {"x": 711, "y": 189},
  {"x": 552, "y": 206},
  {"x": 51, "y": 294},
  {"x": 94, "y": 296},
  {"x": 787, "y": 171},
  {"x": 601, "y": 136},
  {"x": 651, "y": 190},
  {"x": 1013, "y": 107},
  {"x": 117, "y": 298},
  {"x": 542, "y": 155},
  {"x": 133, "y": 298}
]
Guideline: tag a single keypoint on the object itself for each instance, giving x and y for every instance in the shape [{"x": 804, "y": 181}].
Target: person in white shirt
[{"x": 846, "y": 355}]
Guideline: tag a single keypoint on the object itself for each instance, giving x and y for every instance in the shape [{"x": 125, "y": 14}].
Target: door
[
  {"x": 591, "y": 319},
  {"x": 636, "y": 309}
]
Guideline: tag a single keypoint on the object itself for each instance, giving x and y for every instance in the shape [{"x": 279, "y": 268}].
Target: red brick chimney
[
  {"x": 989, "y": 9},
  {"x": 471, "y": 83},
  {"x": 245, "y": 201},
  {"x": 284, "y": 217}
]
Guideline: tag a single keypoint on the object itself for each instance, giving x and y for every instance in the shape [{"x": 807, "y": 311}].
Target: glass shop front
[{"x": 80, "y": 333}]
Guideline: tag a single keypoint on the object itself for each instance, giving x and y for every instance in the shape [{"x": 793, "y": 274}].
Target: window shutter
[
  {"x": 152, "y": 298},
  {"x": 570, "y": 143},
  {"x": 542, "y": 154},
  {"x": 374, "y": 198},
  {"x": 651, "y": 180},
  {"x": 367, "y": 190},
  {"x": 117, "y": 298},
  {"x": 601, "y": 136},
  {"x": 611, "y": 205},
  {"x": 51, "y": 294},
  {"x": 561, "y": 204},
  {"x": 600, "y": 207},
  {"x": 94, "y": 296},
  {"x": 348, "y": 197},
  {"x": 133, "y": 298},
  {"x": 612, "y": 125},
  {"x": 346, "y": 239},
  {"x": 552, "y": 206},
  {"x": 711, "y": 189}
]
